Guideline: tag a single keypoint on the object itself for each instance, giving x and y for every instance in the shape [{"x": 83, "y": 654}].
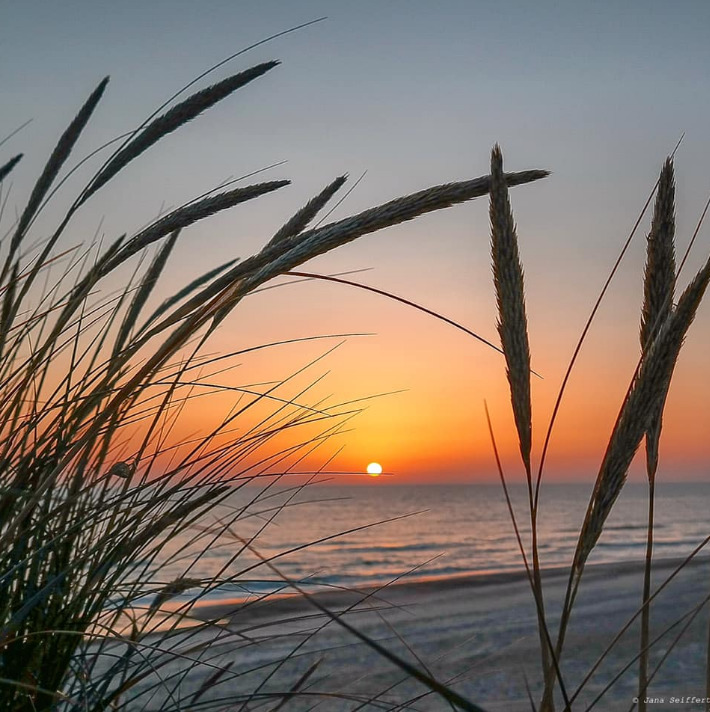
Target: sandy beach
[{"x": 477, "y": 632}]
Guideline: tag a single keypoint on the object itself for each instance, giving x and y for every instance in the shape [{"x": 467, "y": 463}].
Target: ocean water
[{"x": 337, "y": 536}]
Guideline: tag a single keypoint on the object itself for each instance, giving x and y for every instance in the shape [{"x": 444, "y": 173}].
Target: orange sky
[
  {"x": 415, "y": 97},
  {"x": 435, "y": 430}
]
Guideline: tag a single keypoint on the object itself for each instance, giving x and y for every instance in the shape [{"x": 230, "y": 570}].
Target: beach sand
[{"x": 477, "y": 632}]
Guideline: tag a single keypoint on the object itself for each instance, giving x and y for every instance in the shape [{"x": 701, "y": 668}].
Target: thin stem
[
  {"x": 548, "y": 647},
  {"x": 573, "y": 582},
  {"x": 646, "y": 610}
]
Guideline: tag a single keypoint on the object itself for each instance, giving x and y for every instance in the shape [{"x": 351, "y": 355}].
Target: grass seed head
[{"x": 510, "y": 298}]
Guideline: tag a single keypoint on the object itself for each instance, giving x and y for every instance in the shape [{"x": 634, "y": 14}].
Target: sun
[{"x": 374, "y": 469}]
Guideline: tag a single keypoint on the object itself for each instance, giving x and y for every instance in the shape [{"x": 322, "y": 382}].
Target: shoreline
[
  {"x": 294, "y": 601},
  {"x": 477, "y": 632}
]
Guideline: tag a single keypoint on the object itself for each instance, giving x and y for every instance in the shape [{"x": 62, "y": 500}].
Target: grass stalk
[
  {"x": 513, "y": 331},
  {"x": 534, "y": 586},
  {"x": 659, "y": 288},
  {"x": 573, "y": 582}
]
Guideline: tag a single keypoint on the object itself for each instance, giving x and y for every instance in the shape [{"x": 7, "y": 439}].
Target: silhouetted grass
[
  {"x": 91, "y": 491},
  {"x": 664, "y": 326}
]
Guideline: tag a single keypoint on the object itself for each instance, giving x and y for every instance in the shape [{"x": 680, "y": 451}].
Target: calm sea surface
[{"x": 452, "y": 530}]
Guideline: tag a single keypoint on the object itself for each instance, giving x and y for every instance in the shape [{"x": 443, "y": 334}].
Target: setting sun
[{"x": 374, "y": 469}]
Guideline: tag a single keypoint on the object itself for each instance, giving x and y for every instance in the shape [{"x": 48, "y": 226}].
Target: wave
[
  {"x": 632, "y": 527},
  {"x": 657, "y": 544},
  {"x": 616, "y": 528},
  {"x": 387, "y": 548},
  {"x": 387, "y": 576}
]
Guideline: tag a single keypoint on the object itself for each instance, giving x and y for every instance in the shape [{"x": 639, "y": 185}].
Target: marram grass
[
  {"x": 91, "y": 386},
  {"x": 664, "y": 326},
  {"x": 92, "y": 491}
]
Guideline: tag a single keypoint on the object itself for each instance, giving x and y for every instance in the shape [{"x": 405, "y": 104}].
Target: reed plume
[
  {"x": 171, "y": 120},
  {"x": 659, "y": 288},
  {"x": 59, "y": 155},
  {"x": 192, "y": 213},
  {"x": 6, "y": 169},
  {"x": 510, "y": 298},
  {"x": 402, "y": 209},
  {"x": 300, "y": 221},
  {"x": 638, "y": 410},
  {"x": 289, "y": 253}
]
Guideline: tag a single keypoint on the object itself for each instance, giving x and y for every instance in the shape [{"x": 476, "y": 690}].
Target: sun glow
[{"x": 374, "y": 469}]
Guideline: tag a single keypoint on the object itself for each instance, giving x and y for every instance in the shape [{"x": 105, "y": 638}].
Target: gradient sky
[{"x": 415, "y": 93}]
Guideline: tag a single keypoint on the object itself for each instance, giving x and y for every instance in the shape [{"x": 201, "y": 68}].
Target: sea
[{"x": 333, "y": 536}]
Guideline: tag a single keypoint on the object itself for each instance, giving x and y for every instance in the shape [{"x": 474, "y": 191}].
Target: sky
[{"x": 413, "y": 94}]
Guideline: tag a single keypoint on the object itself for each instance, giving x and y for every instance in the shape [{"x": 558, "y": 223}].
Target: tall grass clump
[{"x": 92, "y": 383}]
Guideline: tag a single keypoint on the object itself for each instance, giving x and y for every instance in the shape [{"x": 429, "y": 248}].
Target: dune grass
[
  {"x": 92, "y": 384},
  {"x": 664, "y": 325}
]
